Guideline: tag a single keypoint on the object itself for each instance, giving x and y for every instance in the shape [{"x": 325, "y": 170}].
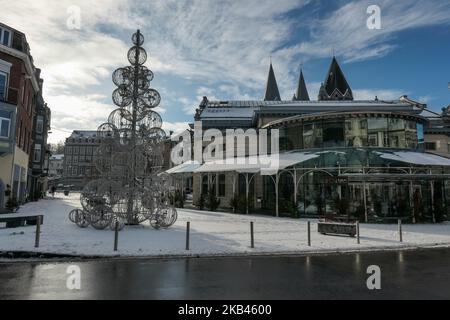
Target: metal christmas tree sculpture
[{"x": 130, "y": 155}]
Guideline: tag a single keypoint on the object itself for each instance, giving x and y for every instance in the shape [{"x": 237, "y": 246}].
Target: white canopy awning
[
  {"x": 185, "y": 167},
  {"x": 417, "y": 158},
  {"x": 265, "y": 165}
]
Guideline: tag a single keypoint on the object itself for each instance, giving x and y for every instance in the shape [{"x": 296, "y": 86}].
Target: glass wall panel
[
  {"x": 377, "y": 129},
  {"x": 412, "y": 134},
  {"x": 284, "y": 141},
  {"x": 294, "y": 136},
  {"x": 312, "y": 135},
  {"x": 356, "y": 133},
  {"x": 396, "y": 133},
  {"x": 333, "y": 133}
]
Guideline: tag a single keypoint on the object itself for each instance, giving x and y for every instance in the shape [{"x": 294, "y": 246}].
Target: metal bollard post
[
  {"x": 357, "y": 232},
  {"x": 252, "y": 238},
  {"x": 116, "y": 235},
  {"x": 38, "y": 232},
  {"x": 400, "y": 230},
  {"x": 309, "y": 234},
  {"x": 188, "y": 227}
]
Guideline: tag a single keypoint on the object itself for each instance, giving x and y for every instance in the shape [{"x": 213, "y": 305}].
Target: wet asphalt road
[{"x": 404, "y": 275}]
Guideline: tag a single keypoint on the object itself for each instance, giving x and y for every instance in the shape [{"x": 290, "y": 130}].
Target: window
[
  {"x": 37, "y": 153},
  {"x": 221, "y": 185},
  {"x": 40, "y": 124},
  {"x": 5, "y": 37},
  {"x": 430, "y": 146},
  {"x": 4, "y": 127},
  {"x": 3, "y": 85}
]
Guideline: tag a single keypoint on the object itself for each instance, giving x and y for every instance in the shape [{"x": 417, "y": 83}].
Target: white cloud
[
  {"x": 381, "y": 94},
  {"x": 175, "y": 127},
  {"x": 76, "y": 113},
  {"x": 225, "y": 45},
  {"x": 346, "y": 32}
]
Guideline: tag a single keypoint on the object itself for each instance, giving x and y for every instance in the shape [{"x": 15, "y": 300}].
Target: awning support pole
[
  {"x": 246, "y": 191},
  {"x": 432, "y": 199},
  {"x": 277, "y": 178},
  {"x": 295, "y": 187},
  {"x": 365, "y": 199},
  {"x": 411, "y": 203}
]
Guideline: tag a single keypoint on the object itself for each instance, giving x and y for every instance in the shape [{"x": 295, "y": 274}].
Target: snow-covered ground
[{"x": 212, "y": 233}]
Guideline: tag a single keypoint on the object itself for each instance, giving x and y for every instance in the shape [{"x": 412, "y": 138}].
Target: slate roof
[
  {"x": 272, "y": 93},
  {"x": 302, "y": 93},
  {"x": 335, "y": 85}
]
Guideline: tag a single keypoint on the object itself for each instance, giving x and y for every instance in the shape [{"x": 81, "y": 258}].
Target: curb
[{"x": 26, "y": 256}]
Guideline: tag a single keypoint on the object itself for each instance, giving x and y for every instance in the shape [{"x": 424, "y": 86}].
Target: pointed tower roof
[
  {"x": 302, "y": 93},
  {"x": 335, "y": 85},
  {"x": 272, "y": 93}
]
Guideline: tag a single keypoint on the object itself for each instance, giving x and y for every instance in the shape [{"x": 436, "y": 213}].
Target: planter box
[{"x": 337, "y": 228}]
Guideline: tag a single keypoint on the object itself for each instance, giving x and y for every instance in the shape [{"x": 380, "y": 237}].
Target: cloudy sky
[{"x": 221, "y": 49}]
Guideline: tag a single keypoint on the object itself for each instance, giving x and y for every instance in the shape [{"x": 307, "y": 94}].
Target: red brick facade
[{"x": 21, "y": 91}]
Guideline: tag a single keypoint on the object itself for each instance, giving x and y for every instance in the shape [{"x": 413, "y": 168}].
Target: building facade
[
  {"x": 79, "y": 158},
  {"x": 56, "y": 166},
  {"x": 19, "y": 87},
  {"x": 337, "y": 156},
  {"x": 437, "y": 135},
  {"x": 39, "y": 158}
]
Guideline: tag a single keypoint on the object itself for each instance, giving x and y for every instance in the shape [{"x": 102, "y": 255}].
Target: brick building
[
  {"x": 19, "y": 87},
  {"x": 79, "y": 155}
]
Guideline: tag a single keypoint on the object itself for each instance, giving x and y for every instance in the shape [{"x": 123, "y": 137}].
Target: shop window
[
  {"x": 221, "y": 185},
  {"x": 205, "y": 184}
]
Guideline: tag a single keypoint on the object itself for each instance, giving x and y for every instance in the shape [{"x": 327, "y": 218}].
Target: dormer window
[{"x": 5, "y": 37}]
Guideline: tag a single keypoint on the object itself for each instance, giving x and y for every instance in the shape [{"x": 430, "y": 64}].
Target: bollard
[
  {"x": 309, "y": 234},
  {"x": 188, "y": 227},
  {"x": 400, "y": 230},
  {"x": 38, "y": 232},
  {"x": 116, "y": 235},
  {"x": 357, "y": 232},
  {"x": 252, "y": 238}
]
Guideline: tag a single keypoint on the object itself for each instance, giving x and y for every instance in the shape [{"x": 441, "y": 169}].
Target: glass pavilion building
[{"x": 338, "y": 157}]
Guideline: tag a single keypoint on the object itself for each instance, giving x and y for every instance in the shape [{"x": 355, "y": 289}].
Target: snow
[
  {"x": 266, "y": 164},
  {"x": 185, "y": 167},
  {"x": 212, "y": 233},
  {"x": 416, "y": 158}
]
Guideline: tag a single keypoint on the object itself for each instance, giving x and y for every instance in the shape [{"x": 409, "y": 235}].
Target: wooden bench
[
  {"x": 20, "y": 221},
  {"x": 337, "y": 228}
]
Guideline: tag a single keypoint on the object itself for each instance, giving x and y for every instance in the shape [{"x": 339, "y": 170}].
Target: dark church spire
[
  {"x": 302, "y": 93},
  {"x": 272, "y": 93},
  {"x": 335, "y": 86}
]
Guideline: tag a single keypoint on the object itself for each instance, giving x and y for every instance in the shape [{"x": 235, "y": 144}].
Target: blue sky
[{"x": 221, "y": 49}]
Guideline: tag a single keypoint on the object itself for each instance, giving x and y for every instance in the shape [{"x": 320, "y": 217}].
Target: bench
[
  {"x": 337, "y": 228},
  {"x": 20, "y": 221}
]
